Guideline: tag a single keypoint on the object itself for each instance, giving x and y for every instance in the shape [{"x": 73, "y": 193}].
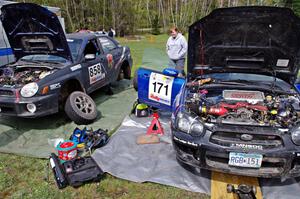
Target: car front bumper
[
  {"x": 202, "y": 152},
  {"x": 12, "y": 106}
]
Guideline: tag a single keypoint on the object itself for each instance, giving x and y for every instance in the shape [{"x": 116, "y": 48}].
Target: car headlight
[
  {"x": 296, "y": 136},
  {"x": 189, "y": 124},
  {"x": 29, "y": 90}
]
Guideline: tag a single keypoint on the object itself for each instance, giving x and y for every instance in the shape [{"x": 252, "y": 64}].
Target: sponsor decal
[
  {"x": 282, "y": 62},
  {"x": 160, "y": 88},
  {"x": 9, "y": 86},
  {"x": 247, "y": 146},
  {"x": 55, "y": 86},
  {"x": 76, "y": 67}
]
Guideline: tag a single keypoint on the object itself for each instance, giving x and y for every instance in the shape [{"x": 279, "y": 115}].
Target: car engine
[
  {"x": 14, "y": 76},
  {"x": 244, "y": 107}
]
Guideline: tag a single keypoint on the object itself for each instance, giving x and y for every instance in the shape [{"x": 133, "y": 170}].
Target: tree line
[{"x": 134, "y": 16}]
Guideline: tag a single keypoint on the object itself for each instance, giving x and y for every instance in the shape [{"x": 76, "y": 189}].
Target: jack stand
[
  {"x": 243, "y": 191},
  {"x": 155, "y": 127}
]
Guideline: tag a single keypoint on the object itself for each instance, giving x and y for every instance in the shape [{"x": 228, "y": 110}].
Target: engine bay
[
  {"x": 18, "y": 76},
  {"x": 243, "y": 107}
]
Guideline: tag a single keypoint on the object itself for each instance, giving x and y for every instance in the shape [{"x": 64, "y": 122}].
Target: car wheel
[
  {"x": 81, "y": 108},
  {"x": 135, "y": 81}
]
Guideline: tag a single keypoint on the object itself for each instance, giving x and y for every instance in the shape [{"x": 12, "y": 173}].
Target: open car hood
[
  {"x": 32, "y": 29},
  {"x": 258, "y": 40}
]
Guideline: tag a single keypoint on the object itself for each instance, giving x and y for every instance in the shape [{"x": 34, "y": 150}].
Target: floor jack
[{"x": 243, "y": 191}]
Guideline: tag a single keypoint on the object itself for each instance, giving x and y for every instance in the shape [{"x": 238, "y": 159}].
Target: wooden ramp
[{"x": 219, "y": 183}]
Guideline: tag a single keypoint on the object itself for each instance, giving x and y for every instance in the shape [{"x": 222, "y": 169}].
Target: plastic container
[
  {"x": 67, "y": 150},
  {"x": 158, "y": 89}
]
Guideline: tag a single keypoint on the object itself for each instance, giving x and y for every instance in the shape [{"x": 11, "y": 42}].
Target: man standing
[
  {"x": 111, "y": 32},
  {"x": 176, "y": 49}
]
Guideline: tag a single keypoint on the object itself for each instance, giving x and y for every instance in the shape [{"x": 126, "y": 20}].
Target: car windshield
[
  {"x": 74, "y": 45},
  {"x": 44, "y": 58},
  {"x": 254, "y": 78}
]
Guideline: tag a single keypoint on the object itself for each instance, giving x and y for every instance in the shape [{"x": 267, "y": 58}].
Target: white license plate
[{"x": 245, "y": 160}]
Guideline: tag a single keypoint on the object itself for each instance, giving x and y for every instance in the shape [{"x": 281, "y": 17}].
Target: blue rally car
[
  {"x": 55, "y": 71},
  {"x": 238, "y": 110}
]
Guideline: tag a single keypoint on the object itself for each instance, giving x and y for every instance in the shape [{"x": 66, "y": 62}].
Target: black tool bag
[
  {"x": 82, "y": 170},
  {"x": 58, "y": 172}
]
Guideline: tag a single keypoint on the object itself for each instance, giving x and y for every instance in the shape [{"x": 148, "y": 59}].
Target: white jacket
[{"x": 176, "y": 47}]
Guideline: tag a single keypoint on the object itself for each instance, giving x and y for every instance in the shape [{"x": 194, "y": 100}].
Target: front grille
[
  {"x": 269, "y": 166},
  {"x": 4, "y": 108},
  {"x": 230, "y": 138},
  {"x": 6, "y": 93}
]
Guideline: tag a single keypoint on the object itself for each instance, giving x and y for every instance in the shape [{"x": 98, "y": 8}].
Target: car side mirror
[{"x": 90, "y": 57}]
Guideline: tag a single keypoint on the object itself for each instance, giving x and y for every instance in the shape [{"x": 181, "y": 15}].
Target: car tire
[
  {"x": 80, "y": 108},
  {"x": 135, "y": 81}
]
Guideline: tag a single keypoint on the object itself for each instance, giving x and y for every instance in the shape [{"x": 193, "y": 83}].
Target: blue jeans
[{"x": 177, "y": 64}]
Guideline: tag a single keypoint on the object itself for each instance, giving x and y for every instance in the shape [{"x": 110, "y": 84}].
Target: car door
[
  {"x": 95, "y": 66},
  {"x": 113, "y": 54}
]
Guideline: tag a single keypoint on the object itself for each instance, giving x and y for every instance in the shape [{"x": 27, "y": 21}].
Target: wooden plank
[{"x": 219, "y": 183}]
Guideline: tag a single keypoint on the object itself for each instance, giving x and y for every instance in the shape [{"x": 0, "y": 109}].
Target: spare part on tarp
[
  {"x": 67, "y": 150},
  {"x": 75, "y": 172},
  {"x": 141, "y": 110},
  {"x": 243, "y": 191},
  {"x": 96, "y": 139},
  {"x": 79, "y": 135},
  {"x": 82, "y": 170},
  {"x": 89, "y": 139}
]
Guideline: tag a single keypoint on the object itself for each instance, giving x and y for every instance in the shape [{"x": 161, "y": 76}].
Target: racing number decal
[
  {"x": 160, "y": 88},
  {"x": 96, "y": 73}
]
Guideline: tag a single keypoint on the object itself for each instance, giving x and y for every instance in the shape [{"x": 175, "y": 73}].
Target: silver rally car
[{"x": 238, "y": 111}]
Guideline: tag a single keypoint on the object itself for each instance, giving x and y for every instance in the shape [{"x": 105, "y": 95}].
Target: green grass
[
  {"x": 137, "y": 47},
  {"x": 23, "y": 177}
]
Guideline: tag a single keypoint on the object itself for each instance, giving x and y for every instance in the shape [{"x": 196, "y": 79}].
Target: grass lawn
[{"x": 24, "y": 177}]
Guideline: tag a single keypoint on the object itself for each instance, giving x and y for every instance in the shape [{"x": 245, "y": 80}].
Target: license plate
[{"x": 245, "y": 160}]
